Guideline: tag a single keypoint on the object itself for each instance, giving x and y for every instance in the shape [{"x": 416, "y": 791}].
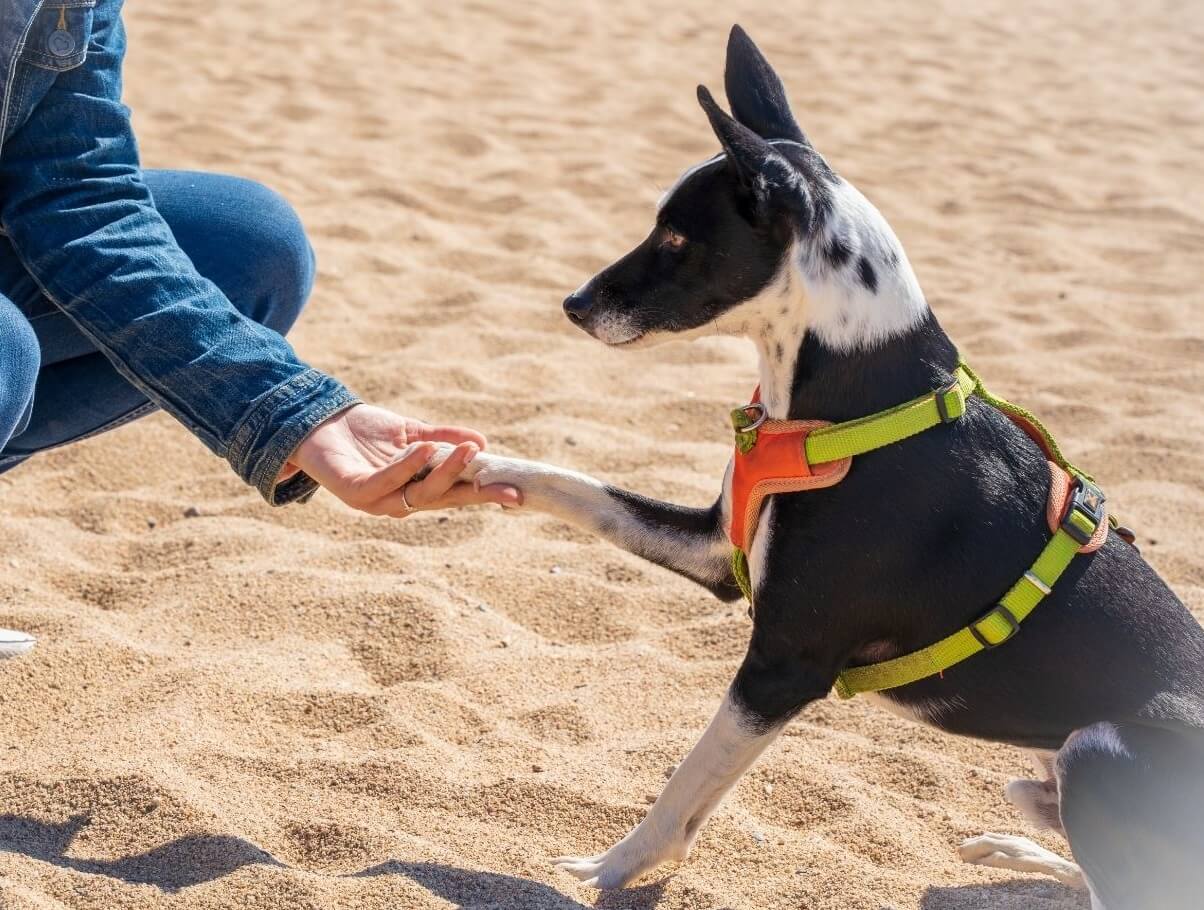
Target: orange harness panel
[{"x": 777, "y": 463}]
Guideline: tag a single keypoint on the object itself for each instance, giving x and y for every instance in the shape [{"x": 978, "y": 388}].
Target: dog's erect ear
[
  {"x": 746, "y": 151},
  {"x": 755, "y": 92}
]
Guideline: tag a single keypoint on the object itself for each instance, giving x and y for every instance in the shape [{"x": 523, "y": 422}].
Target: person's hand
[{"x": 368, "y": 457}]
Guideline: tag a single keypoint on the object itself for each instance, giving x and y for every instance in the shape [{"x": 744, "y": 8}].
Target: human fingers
[
  {"x": 500, "y": 494},
  {"x": 393, "y": 476},
  {"x": 441, "y": 478},
  {"x": 454, "y": 435},
  {"x": 463, "y": 494}
]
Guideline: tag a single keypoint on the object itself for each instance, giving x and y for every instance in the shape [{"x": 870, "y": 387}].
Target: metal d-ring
[{"x": 762, "y": 414}]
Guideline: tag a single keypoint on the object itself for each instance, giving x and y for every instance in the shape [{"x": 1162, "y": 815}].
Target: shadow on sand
[
  {"x": 179, "y": 864},
  {"x": 202, "y": 858},
  {"x": 468, "y": 888},
  {"x": 1018, "y": 894}
]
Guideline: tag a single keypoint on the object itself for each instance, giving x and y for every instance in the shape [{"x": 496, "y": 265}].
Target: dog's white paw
[
  {"x": 624, "y": 862},
  {"x": 1019, "y": 854},
  {"x": 488, "y": 469},
  {"x": 544, "y": 487}
]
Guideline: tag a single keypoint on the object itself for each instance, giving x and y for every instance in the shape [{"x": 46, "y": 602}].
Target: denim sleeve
[{"x": 80, "y": 217}]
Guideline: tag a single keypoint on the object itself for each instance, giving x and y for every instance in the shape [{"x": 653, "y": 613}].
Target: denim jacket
[{"x": 76, "y": 210}]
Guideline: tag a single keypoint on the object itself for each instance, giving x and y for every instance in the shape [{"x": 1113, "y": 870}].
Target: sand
[{"x": 305, "y": 708}]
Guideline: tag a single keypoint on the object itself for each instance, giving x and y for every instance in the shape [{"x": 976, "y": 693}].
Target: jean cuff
[{"x": 270, "y": 432}]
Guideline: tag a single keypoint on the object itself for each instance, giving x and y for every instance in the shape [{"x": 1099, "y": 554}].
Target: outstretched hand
[{"x": 368, "y": 457}]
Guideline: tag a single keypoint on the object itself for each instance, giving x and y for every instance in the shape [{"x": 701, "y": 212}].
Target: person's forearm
[{"x": 83, "y": 222}]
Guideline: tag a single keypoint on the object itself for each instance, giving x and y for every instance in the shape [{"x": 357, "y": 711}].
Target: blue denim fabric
[
  {"x": 238, "y": 234},
  {"x": 83, "y": 226}
]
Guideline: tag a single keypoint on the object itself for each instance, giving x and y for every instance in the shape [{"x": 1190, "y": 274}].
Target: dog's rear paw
[{"x": 1019, "y": 854}]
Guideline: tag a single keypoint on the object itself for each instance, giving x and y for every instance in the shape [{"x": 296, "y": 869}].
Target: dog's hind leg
[
  {"x": 1132, "y": 800},
  {"x": 1037, "y": 800},
  {"x": 730, "y": 745}
]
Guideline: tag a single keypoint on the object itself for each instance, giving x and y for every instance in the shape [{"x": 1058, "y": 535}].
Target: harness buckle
[
  {"x": 1086, "y": 508},
  {"x": 1004, "y": 613},
  {"x": 942, "y": 403}
]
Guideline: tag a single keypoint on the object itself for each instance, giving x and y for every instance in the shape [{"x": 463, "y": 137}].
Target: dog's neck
[
  {"x": 836, "y": 385},
  {"x": 804, "y": 378},
  {"x": 844, "y": 330}
]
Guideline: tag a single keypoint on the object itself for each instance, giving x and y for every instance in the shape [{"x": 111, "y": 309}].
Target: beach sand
[{"x": 303, "y": 708}]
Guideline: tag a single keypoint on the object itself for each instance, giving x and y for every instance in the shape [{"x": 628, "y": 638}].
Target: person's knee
[
  {"x": 284, "y": 260},
  {"x": 20, "y": 359}
]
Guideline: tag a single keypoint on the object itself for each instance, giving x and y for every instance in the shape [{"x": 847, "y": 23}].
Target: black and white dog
[{"x": 1106, "y": 680}]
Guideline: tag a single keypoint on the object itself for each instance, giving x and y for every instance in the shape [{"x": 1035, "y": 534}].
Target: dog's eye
[{"x": 671, "y": 239}]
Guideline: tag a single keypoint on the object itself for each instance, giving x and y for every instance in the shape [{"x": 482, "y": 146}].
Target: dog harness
[{"x": 790, "y": 456}]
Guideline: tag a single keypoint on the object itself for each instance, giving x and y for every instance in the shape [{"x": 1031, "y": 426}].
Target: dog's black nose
[{"x": 578, "y": 304}]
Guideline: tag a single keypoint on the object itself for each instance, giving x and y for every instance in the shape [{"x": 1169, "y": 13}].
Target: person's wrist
[{"x": 312, "y": 441}]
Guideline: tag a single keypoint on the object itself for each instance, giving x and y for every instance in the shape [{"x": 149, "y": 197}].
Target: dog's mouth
[
  {"x": 626, "y": 343},
  {"x": 612, "y": 329}
]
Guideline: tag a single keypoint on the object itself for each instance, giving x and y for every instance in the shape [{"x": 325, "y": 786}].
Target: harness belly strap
[{"x": 1082, "y": 528}]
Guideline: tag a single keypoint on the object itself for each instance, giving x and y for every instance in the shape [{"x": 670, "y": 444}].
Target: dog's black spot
[
  {"x": 779, "y": 352},
  {"x": 838, "y": 252},
  {"x": 868, "y": 276}
]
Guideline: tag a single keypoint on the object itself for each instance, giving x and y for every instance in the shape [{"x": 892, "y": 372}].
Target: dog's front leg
[
  {"x": 772, "y": 685},
  {"x": 727, "y": 749},
  {"x": 688, "y": 541}
]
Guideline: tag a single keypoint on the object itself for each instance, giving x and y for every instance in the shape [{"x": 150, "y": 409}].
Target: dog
[{"x": 1105, "y": 683}]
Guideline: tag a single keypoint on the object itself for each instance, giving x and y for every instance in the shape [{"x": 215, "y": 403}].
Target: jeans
[{"x": 55, "y": 387}]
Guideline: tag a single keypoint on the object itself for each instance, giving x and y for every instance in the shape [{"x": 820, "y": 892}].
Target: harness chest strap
[
  {"x": 791, "y": 456},
  {"x": 788, "y": 456}
]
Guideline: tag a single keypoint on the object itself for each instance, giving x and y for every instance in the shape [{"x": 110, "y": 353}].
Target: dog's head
[
  {"x": 723, "y": 230},
  {"x": 728, "y": 232}
]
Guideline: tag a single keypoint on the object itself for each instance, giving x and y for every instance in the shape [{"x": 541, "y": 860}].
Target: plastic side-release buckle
[{"x": 1086, "y": 512}]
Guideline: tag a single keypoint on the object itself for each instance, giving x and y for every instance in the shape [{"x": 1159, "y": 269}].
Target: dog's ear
[
  {"x": 754, "y": 91},
  {"x": 746, "y": 152}
]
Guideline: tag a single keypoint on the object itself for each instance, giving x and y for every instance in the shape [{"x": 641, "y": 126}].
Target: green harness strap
[
  {"x": 1052, "y": 450},
  {"x": 856, "y": 437},
  {"x": 998, "y": 625}
]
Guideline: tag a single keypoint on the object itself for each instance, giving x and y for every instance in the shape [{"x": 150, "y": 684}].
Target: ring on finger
[{"x": 405, "y": 503}]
